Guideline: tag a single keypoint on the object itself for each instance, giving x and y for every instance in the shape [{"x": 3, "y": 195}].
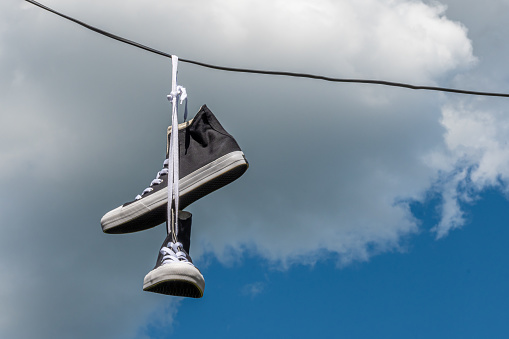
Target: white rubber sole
[
  {"x": 176, "y": 278},
  {"x": 187, "y": 184}
]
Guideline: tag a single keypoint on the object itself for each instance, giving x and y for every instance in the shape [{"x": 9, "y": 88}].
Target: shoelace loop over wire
[{"x": 181, "y": 94}]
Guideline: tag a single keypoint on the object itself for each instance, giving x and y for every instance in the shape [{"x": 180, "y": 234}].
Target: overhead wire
[{"x": 256, "y": 71}]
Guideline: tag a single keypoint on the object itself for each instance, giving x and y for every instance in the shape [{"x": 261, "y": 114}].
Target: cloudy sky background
[{"x": 349, "y": 184}]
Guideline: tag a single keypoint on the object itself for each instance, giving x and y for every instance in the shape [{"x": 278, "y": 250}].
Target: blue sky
[
  {"x": 367, "y": 211},
  {"x": 438, "y": 289}
]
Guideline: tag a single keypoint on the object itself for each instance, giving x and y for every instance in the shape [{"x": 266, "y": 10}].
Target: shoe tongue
[{"x": 184, "y": 232}]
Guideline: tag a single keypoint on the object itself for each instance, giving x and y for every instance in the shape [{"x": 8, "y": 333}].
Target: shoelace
[
  {"x": 171, "y": 165},
  {"x": 172, "y": 253},
  {"x": 156, "y": 181},
  {"x": 177, "y": 92}
]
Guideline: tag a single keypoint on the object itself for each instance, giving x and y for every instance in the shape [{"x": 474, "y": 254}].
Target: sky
[{"x": 367, "y": 211}]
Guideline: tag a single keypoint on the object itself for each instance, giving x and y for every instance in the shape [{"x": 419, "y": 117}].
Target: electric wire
[{"x": 265, "y": 72}]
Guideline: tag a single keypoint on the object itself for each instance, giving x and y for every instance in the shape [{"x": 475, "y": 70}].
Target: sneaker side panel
[{"x": 204, "y": 141}]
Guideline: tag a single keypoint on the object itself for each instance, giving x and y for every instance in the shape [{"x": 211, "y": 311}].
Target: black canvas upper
[
  {"x": 183, "y": 236},
  {"x": 201, "y": 142}
]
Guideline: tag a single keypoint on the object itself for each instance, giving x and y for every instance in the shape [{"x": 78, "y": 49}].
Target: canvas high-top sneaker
[
  {"x": 210, "y": 158},
  {"x": 174, "y": 273}
]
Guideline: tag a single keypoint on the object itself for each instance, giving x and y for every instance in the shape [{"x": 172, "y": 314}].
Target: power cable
[{"x": 255, "y": 71}]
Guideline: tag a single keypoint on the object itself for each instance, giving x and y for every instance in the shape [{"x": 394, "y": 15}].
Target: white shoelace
[
  {"x": 177, "y": 92},
  {"x": 156, "y": 181},
  {"x": 172, "y": 253},
  {"x": 171, "y": 165}
]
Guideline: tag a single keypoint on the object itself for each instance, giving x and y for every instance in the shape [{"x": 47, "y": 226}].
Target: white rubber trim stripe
[
  {"x": 175, "y": 271},
  {"x": 187, "y": 184}
]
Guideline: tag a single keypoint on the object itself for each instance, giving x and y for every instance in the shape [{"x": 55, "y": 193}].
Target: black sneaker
[
  {"x": 174, "y": 273},
  {"x": 210, "y": 158}
]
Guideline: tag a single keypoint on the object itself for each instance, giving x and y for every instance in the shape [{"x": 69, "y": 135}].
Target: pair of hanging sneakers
[{"x": 209, "y": 158}]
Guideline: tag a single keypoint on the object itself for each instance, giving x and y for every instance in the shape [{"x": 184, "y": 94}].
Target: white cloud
[
  {"x": 476, "y": 157},
  {"x": 409, "y": 41},
  {"x": 377, "y": 139},
  {"x": 405, "y": 40}
]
